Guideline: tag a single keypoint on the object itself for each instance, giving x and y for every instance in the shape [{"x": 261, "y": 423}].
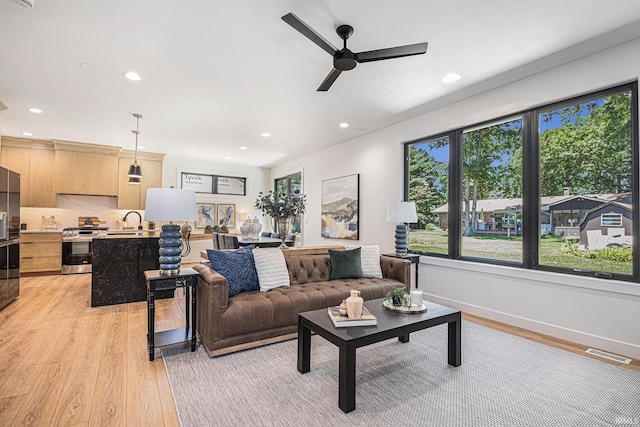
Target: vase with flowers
[{"x": 281, "y": 207}]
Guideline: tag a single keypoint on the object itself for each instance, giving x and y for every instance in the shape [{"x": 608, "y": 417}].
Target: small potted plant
[
  {"x": 208, "y": 229},
  {"x": 216, "y": 228},
  {"x": 398, "y": 297},
  {"x": 224, "y": 229}
]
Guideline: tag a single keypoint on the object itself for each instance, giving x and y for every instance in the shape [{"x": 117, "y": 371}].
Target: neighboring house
[
  {"x": 606, "y": 225},
  {"x": 561, "y": 215}
]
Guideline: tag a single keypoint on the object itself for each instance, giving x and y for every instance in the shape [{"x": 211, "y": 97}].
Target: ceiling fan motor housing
[{"x": 344, "y": 60}]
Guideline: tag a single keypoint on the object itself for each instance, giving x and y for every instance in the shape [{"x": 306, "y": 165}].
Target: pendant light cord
[{"x": 137, "y": 132}]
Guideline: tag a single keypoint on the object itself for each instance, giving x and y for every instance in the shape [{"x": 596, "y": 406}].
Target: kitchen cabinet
[
  {"x": 133, "y": 196},
  {"x": 34, "y": 161},
  {"x": 40, "y": 252},
  {"x": 88, "y": 169}
]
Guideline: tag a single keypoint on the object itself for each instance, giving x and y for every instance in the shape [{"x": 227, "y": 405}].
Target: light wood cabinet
[
  {"x": 40, "y": 253},
  {"x": 132, "y": 196},
  {"x": 34, "y": 161},
  {"x": 49, "y": 168},
  {"x": 86, "y": 169}
]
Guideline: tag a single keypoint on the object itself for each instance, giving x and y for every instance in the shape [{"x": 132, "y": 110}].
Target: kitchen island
[{"x": 119, "y": 262}]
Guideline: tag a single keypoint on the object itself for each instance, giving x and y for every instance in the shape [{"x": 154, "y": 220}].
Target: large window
[
  {"x": 585, "y": 180},
  {"x": 428, "y": 188},
  {"x": 492, "y": 191},
  {"x": 291, "y": 184},
  {"x": 553, "y": 188}
]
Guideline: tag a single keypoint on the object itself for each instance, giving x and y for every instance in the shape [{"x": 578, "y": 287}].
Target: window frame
[
  {"x": 611, "y": 215},
  {"x": 531, "y": 185}
]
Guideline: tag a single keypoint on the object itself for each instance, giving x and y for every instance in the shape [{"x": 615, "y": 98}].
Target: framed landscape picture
[
  {"x": 206, "y": 215},
  {"x": 226, "y": 215},
  {"x": 340, "y": 207}
]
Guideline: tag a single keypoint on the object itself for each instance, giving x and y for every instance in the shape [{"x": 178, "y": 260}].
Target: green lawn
[{"x": 510, "y": 249}]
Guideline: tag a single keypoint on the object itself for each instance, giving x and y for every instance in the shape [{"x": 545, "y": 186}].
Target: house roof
[
  {"x": 515, "y": 204},
  {"x": 625, "y": 206}
]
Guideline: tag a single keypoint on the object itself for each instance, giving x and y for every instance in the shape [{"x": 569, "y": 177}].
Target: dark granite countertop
[{"x": 129, "y": 235}]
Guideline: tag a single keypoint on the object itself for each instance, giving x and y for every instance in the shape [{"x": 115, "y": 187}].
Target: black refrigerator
[{"x": 9, "y": 236}]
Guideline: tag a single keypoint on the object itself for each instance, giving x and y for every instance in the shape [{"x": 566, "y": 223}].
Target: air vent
[{"x": 609, "y": 356}]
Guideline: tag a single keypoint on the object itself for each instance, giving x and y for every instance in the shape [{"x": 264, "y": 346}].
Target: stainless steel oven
[{"x": 77, "y": 249}]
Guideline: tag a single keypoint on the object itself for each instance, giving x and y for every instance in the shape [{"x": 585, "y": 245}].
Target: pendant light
[{"x": 135, "y": 171}]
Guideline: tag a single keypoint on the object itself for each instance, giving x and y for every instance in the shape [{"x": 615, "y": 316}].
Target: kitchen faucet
[{"x": 139, "y": 216}]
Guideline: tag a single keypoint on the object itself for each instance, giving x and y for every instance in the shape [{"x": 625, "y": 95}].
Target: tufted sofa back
[
  {"x": 317, "y": 268},
  {"x": 308, "y": 268}
]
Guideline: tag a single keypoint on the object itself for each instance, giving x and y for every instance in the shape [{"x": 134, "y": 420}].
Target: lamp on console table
[
  {"x": 168, "y": 205},
  {"x": 401, "y": 212}
]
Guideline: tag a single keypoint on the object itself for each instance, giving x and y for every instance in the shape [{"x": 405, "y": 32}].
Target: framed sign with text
[
  {"x": 230, "y": 185},
  {"x": 200, "y": 183}
]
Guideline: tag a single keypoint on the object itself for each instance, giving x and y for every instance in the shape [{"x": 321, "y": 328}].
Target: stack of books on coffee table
[{"x": 343, "y": 321}]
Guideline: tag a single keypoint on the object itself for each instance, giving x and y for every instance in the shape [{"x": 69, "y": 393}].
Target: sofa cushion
[
  {"x": 370, "y": 256},
  {"x": 345, "y": 264},
  {"x": 278, "y": 309},
  {"x": 271, "y": 268},
  {"x": 237, "y": 267}
]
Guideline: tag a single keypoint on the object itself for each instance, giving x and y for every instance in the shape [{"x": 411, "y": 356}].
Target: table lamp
[
  {"x": 168, "y": 205},
  {"x": 401, "y": 212}
]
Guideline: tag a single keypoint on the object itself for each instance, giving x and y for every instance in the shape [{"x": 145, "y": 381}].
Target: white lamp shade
[
  {"x": 170, "y": 204},
  {"x": 402, "y": 212}
]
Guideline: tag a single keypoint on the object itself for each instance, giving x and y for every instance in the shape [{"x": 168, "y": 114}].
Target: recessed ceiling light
[
  {"x": 227, "y": 158},
  {"x": 344, "y": 125},
  {"x": 132, "y": 75},
  {"x": 243, "y": 148},
  {"x": 265, "y": 134},
  {"x": 35, "y": 110},
  {"x": 140, "y": 147},
  {"x": 451, "y": 78},
  {"x": 27, "y": 133}
]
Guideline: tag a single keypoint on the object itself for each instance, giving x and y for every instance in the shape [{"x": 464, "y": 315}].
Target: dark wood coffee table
[{"x": 390, "y": 325}]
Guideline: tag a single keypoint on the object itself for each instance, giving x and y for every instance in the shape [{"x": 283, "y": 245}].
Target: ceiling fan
[{"x": 344, "y": 59}]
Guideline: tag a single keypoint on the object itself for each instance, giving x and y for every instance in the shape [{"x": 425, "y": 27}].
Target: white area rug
[{"x": 503, "y": 381}]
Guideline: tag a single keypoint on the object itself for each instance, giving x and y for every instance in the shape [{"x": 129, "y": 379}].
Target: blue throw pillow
[{"x": 237, "y": 267}]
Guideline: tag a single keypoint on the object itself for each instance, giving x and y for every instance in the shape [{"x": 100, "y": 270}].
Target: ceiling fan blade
[
  {"x": 328, "y": 81},
  {"x": 392, "y": 52},
  {"x": 309, "y": 33}
]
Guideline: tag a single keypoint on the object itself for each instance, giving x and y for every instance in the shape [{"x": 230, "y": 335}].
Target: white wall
[{"x": 543, "y": 302}]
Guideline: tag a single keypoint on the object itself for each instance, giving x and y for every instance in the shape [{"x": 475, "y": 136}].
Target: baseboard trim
[{"x": 602, "y": 343}]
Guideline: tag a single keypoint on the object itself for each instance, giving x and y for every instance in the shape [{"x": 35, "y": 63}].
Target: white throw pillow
[
  {"x": 370, "y": 260},
  {"x": 271, "y": 268}
]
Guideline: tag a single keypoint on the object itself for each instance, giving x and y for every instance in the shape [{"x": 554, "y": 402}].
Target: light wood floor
[{"x": 65, "y": 363}]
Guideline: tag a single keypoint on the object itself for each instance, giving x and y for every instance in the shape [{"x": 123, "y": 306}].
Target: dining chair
[
  {"x": 214, "y": 237},
  {"x": 231, "y": 242},
  {"x": 221, "y": 243}
]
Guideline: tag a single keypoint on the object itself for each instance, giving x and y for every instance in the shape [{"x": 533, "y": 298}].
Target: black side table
[
  {"x": 414, "y": 258},
  {"x": 187, "y": 279}
]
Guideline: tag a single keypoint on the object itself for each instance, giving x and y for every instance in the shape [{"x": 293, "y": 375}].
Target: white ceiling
[{"x": 216, "y": 74}]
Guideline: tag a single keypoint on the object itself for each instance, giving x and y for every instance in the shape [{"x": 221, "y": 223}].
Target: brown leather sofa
[{"x": 254, "y": 318}]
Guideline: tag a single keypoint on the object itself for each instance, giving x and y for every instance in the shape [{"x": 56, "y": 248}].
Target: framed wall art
[
  {"x": 340, "y": 207},
  {"x": 206, "y": 215},
  {"x": 226, "y": 215}
]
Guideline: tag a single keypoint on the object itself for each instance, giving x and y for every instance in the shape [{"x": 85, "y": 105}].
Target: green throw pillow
[{"x": 345, "y": 264}]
